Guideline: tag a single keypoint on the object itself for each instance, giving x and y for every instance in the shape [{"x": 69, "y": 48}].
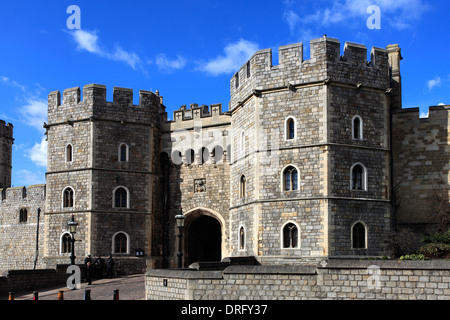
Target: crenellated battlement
[
  {"x": 6, "y": 130},
  {"x": 185, "y": 117},
  {"x": 410, "y": 117},
  {"x": 325, "y": 64},
  {"x": 94, "y": 104},
  {"x": 22, "y": 194}
]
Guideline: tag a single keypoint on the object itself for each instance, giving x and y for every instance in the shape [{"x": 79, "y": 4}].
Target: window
[
  {"x": 69, "y": 153},
  {"x": 290, "y": 236},
  {"x": 120, "y": 243},
  {"x": 65, "y": 243},
  {"x": 217, "y": 154},
  {"x": 236, "y": 80},
  {"x": 23, "y": 215},
  {"x": 120, "y": 197},
  {"x": 357, "y": 128},
  {"x": 242, "y": 187},
  {"x": 248, "y": 69},
  {"x": 123, "y": 152},
  {"x": 358, "y": 177},
  {"x": 290, "y": 178},
  {"x": 68, "y": 196},
  {"x": 241, "y": 238},
  {"x": 204, "y": 155},
  {"x": 190, "y": 156},
  {"x": 290, "y": 128},
  {"x": 358, "y": 236}
]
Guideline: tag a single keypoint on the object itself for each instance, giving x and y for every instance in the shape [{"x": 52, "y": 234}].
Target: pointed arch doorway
[{"x": 203, "y": 239}]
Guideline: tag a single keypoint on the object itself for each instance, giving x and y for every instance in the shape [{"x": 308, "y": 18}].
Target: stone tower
[
  {"x": 100, "y": 169},
  {"x": 6, "y": 142},
  {"x": 310, "y": 168}
]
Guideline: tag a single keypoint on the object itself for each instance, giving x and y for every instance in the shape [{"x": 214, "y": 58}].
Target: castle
[{"x": 314, "y": 159}]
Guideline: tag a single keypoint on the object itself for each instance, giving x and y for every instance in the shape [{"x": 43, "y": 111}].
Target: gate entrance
[{"x": 204, "y": 240}]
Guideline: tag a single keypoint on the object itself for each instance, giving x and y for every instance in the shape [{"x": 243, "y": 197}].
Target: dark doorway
[{"x": 204, "y": 240}]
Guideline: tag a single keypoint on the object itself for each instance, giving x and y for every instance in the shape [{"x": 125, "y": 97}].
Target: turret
[{"x": 6, "y": 142}]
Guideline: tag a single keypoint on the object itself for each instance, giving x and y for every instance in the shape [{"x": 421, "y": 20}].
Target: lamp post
[
  {"x": 72, "y": 229},
  {"x": 180, "y": 224}
]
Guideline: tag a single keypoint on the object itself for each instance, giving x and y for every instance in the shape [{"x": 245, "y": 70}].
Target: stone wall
[
  {"x": 16, "y": 281},
  {"x": 18, "y": 237},
  {"x": 421, "y": 155},
  {"x": 334, "y": 279}
]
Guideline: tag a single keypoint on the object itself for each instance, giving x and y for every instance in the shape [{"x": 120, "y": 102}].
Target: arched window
[
  {"x": 121, "y": 197},
  {"x": 242, "y": 187},
  {"x": 65, "y": 243},
  {"x": 357, "y": 128},
  {"x": 290, "y": 128},
  {"x": 290, "y": 178},
  {"x": 177, "y": 157},
  {"x": 241, "y": 238},
  {"x": 190, "y": 156},
  {"x": 290, "y": 236},
  {"x": 123, "y": 152},
  {"x": 358, "y": 177},
  {"x": 23, "y": 215},
  {"x": 204, "y": 155},
  {"x": 120, "y": 243},
  {"x": 359, "y": 236},
  {"x": 69, "y": 153},
  {"x": 68, "y": 196},
  {"x": 217, "y": 154}
]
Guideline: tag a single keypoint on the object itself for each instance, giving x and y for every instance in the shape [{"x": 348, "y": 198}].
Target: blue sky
[{"x": 188, "y": 50}]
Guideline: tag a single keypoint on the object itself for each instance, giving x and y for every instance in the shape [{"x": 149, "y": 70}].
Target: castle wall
[
  {"x": 421, "y": 169},
  {"x": 18, "y": 238}
]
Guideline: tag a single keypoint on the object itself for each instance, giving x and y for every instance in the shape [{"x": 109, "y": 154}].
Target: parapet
[
  {"x": 6, "y": 130},
  {"x": 325, "y": 63},
  {"x": 23, "y": 194},
  {"x": 185, "y": 117},
  {"x": 94, "y": 104}
]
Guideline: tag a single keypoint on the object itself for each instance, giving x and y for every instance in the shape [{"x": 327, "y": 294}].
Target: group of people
[{"x": 94, "y": 269}]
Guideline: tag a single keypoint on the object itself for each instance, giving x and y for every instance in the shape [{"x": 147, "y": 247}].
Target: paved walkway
[{"x": 130, "y": 287}]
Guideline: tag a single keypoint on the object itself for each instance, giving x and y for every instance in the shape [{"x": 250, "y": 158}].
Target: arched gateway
[{"x": 203, "y": 236}]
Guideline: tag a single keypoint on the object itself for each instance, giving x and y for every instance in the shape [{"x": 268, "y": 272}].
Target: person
[
  {"x": 89, "y": 272},
  {"x": 98, "y": 264},
  {"x": 87, "y": 259},
  {"x": 109, "y": 267}
]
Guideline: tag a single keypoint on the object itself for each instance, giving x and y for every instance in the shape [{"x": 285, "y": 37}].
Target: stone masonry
[{"x": 314, "y": 159}]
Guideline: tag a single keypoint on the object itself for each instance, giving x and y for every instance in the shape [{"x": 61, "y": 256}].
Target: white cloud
[
  {"x": 167, "y": 65},
  {"x": 28, "y": 178},
  {"x": 89, "y": 41},
  {"x": 7, "y": 81},
  {"x": 423, "y": 114},
  {"x": 38, "y": 153},
  {"x": 399, "y": 14},
  {"x": 34, "y": 113},
  {"x": 235, "y": 55},
  {"x": 436, "y": 82}
]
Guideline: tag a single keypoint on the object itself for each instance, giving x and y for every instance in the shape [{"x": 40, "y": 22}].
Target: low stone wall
[
  {"x": 25, "y": 280},
  {"x": 333, "y": 279}
]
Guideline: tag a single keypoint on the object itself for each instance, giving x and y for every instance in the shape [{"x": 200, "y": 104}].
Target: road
[{"x": 130, "y": 287}]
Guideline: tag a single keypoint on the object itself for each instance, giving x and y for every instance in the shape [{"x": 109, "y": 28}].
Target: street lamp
[
  {"x": 180, "y": 224},
  {"x": 72, "y": 229}
]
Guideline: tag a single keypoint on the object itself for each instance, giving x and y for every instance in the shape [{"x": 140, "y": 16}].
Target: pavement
[{"x": 131, "y": 287}]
